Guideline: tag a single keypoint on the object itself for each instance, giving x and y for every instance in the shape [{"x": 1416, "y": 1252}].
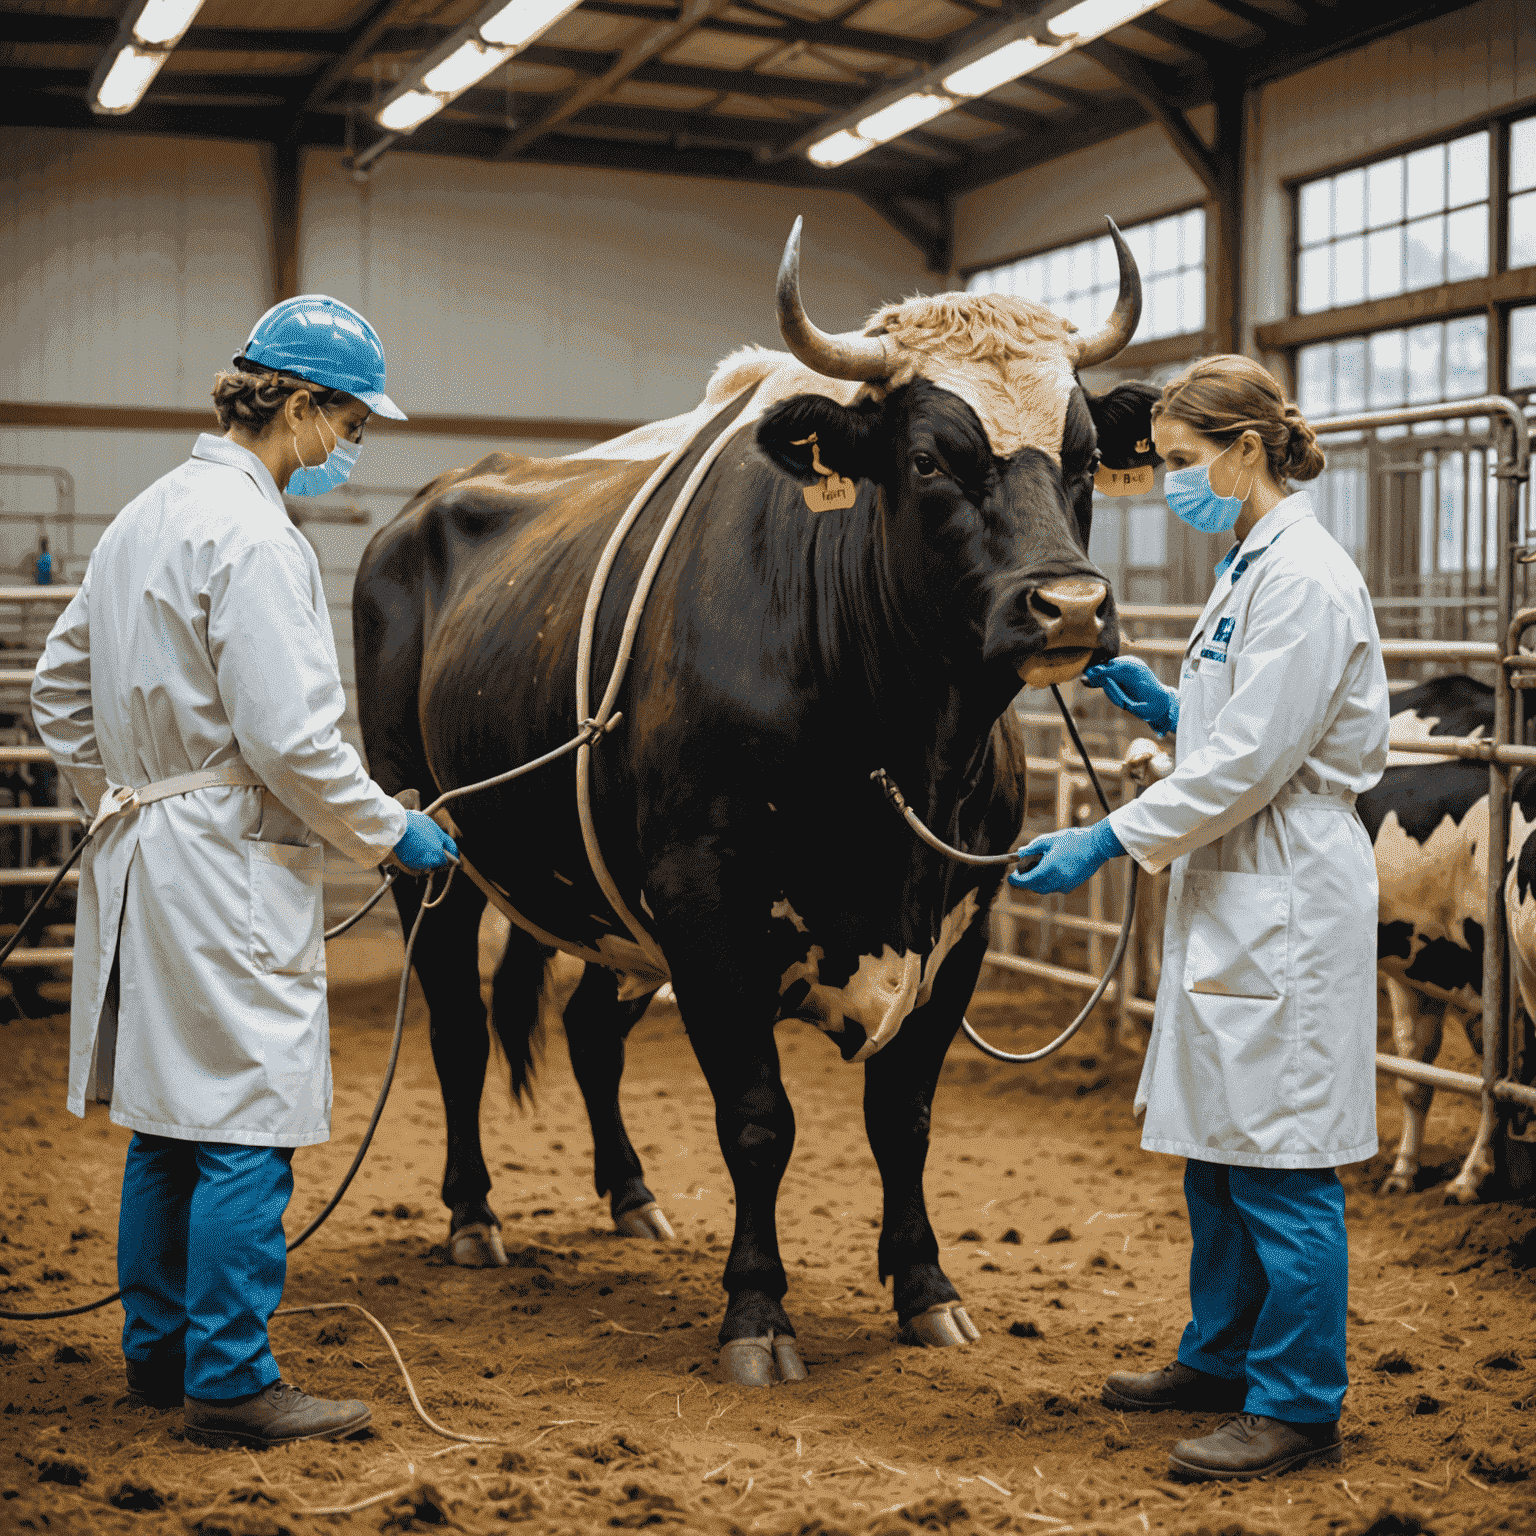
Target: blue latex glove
[
  {"x": 1070, "y": 857},
  {"x": 425, "y": 846},
  {"x": 1132, "y": 685}
]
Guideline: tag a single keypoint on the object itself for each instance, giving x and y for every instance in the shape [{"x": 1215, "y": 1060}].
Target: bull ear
[
  {"x": 1123, "y": 420},
  {"x": 845, "y": 436}
]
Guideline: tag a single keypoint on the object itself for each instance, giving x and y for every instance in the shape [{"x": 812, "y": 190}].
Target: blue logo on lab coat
[{"x": 1220, "y": 638}]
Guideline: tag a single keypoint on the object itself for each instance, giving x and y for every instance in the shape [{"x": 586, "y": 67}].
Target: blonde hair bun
[{"x": 1225, "y": 396}]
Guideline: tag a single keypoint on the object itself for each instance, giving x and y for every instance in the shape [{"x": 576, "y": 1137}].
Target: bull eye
[{"x": 925, "y": 464}]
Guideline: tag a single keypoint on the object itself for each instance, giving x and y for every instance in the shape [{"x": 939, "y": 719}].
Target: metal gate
[{"x": 1433, "y": 502}]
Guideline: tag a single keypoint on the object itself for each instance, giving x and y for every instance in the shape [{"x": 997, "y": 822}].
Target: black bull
[{"x": 784, "y": 654}]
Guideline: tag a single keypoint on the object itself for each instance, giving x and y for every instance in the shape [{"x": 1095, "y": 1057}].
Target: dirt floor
[{"x": 591, "y": 1362}]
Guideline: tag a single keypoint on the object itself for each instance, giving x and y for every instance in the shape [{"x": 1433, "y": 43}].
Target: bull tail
[{"x": 524, "y": 999}]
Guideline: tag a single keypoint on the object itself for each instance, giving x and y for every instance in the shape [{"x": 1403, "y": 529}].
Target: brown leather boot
[
  {"x": 1253, "y": 1446},
  {"x": 1175, "y": 1386},
  {"x": 274, "y": 1416}
]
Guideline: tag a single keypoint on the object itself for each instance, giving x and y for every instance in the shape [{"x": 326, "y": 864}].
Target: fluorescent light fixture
[
  {"x": 488, "y": 39},
  {"x": 469, "y": 62},
  {"x": 839, "y": 148},
  {"x": 162, "y": 22},
  {"x": 409, "y": 110},
  {"x": 128, "y": 79},
  {"x": 1000, "y": 66},
  {"x": 1093, "y": 18},
  {"x": 902, "y": 116},
  {"x": 523, "y": 20}
]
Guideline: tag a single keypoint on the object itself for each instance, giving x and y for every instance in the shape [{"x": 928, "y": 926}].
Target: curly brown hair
[
  {"x": 251, "y": 395},
  {"x": 1224, "y": 396}
]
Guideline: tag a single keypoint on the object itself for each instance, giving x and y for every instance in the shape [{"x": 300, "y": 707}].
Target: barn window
[
  {"x": 1080, "y": 281},
  {"x": 1410, "y": 221},
  {"x": 1522, "y": 189},
  {"x": 1522, "y": 348},
  {"x": 1418, "y": 365}
]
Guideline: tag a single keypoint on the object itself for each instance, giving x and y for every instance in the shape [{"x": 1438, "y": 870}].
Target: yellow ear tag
[
  {"x": 833, "y": 490},
  {"x": 1124, "y": 482}
]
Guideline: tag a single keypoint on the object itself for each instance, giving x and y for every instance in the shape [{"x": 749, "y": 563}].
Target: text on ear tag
[
  {"x": 833, "y": 490},
  {"x": 1124, "y": 482},
  {"x": 830, "y": 494}
]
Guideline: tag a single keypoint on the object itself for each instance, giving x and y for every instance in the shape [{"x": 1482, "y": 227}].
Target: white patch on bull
[
  {"x": 1413, "y": 726},
  {"x": 1434, "y": 887},
  {"x": 950, "y": 930},
  {"x": 884, "y": 990}
]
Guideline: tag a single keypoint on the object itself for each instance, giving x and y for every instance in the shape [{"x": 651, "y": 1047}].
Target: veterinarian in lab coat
[
  {"x": 1260, "y": 1070},
  {"x": 197, "y": 664}
]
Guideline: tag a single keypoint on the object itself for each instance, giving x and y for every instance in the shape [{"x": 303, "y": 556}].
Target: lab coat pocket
[
  {"x": 287, "y": 908},
  {"x": 1239, "y": 934}
]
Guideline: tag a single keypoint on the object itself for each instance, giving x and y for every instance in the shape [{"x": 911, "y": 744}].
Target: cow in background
[{"x": 1428, "y": 822}]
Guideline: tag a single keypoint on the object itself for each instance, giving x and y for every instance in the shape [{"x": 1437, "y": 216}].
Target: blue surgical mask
[
  {"x": 332, "y": 471},
  {"x": 1188, "y": 492}
]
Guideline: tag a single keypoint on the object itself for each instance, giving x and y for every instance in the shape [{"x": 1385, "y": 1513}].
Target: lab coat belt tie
[
  {"x": 121, "y": 798},
  {"x": 1316, "y": 800}
]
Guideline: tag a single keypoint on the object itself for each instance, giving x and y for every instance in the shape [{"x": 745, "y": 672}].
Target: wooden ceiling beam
[
  {"x": 657, "y": 40},
  {"x": 361, "y": 43},
  {"x": 1140, "y": 79},
  {"x": 33, "y": 27}
]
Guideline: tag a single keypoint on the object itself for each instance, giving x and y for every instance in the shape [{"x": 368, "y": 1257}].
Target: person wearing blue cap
[{"x": 196, "y": 667}]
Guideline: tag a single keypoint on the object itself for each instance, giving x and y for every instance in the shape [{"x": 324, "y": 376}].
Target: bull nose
[{"x": 1071, "y": 612}]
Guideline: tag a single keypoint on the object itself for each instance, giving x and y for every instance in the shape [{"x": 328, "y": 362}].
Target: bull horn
[
  {"x": 849, "y": 356},
  {"x": 1115, "y": 336}
]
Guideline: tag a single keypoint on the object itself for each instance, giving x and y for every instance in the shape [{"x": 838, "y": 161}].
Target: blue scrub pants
[
  {"x": 1269, "y": 1286},
  {"x": 201, "y": 1259}
]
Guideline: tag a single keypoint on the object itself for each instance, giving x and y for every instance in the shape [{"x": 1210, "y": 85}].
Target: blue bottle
[{"x": 44, "y": 566}]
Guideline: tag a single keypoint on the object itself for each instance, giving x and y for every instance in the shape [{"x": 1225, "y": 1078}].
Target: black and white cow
[{"x": 1428, "y": 821}]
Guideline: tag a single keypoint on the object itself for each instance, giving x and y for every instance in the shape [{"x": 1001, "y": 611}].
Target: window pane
[
  {"x": 1194, "y": 237},
  {"x": 1389, "y": 384},
  {"x": 1384, "y": 192},
  {"x": 1349, "y": 271},
  {"x": 1349, "y": 376},
  {"x": 1316, "y": 212},
  {"x": 1522, "y": 230},
  {"x": 1466, "y": 243},
  {"x": 1424, "y": 348},
  {"x": 1106, "y": 266},
  {"x": 1139, "y": 238},
  {"x": 1426, "y": 253},
  {"x": 1312, "y": 280},
  {"x": 1522, "y": 347},
  {"x": 1349, "y": 203},
  {"x": 1314, "y": 379},
  {"x": 1522, "y": 154},
  {"x": 1384, "y": 262},
  {"x": 1165, "y": 245},
  {"x": 1192, "y": 300},
  {"x": 1466, "y": 357},
  {"x": 1426, "y": 180},
  {"x": 1058, "y": 275},
  {"x": 1162, "y": 305},
  {"x": 1468, "y": 168}
]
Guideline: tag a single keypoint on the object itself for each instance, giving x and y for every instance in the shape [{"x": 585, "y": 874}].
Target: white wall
[{"x": 536, "y": 290}]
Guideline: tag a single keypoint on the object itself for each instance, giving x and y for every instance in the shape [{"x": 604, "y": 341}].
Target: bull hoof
[
  {"x": 940, "y": 1327},
  {"x": 1396, "y": 1184},
  {"x": 1462, "y": 1192},
  {"x": 478, "y": 1247},
  {"x": 762, "y": 1362},
  {"x": 645, "y": 1221}
]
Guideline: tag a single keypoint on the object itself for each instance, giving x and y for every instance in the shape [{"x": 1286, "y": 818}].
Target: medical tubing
[
  {"x": 42, "y": 901},
  {"x": 1024, "y": 1058}
]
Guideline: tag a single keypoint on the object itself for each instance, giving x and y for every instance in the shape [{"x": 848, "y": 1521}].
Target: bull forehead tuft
[{"x": 1012, "y": 361}]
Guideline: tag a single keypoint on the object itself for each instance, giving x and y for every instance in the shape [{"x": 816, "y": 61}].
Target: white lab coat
[
  {"x": 1263, "y": 1042},
  {"x": 200, "y": 636}
]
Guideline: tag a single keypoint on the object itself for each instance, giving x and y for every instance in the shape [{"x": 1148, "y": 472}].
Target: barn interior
[{"x": 560, "y": 217}]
